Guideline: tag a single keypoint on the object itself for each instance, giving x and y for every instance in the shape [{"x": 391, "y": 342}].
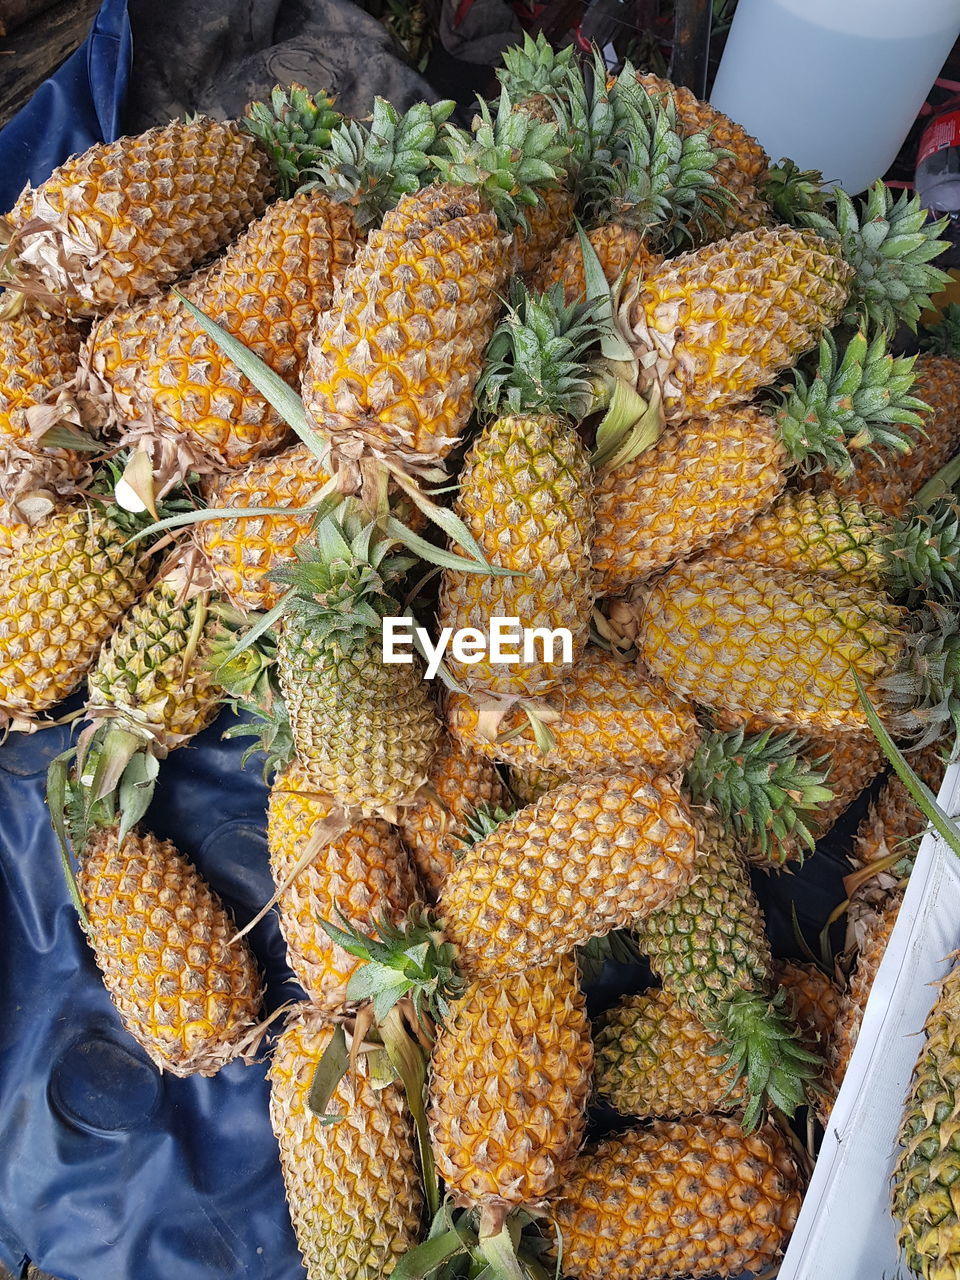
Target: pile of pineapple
[{"x": 592, "y": 364}]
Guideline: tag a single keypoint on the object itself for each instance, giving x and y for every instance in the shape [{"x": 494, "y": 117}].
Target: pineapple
[
  {"x": 61, "y": 596},
  {"x": 296, "y": 129},
  {"x": 816, "y": 1002},
  {"x": 710, "y": 476},
  {"x": 654, "y": 1058},
  {"x": 528, "y": 785},
  {"x": 433, "y": 825},
  {"x": 241, "y": 551},
  {"x": 893, "y": 822},
  {"x": 690, "y": 1198},
  {"x": 586, "y": 858},
  {"x": 362, "y": 871},
  {"x": 184, "y": 398},
  {"x": 125, "y": 218},
  {"x": 709, "y": 948},
  {"x": 366, "y": 732},
  {"x": 756, "y": 641},
  {"x": 509, "y": 1084},
  {"x": 185, "y": 990},
  {"x": 393, "y": 363},
  {"x": 353, "y": 1186},
  {"x": 853, "y": 760},
  {"x": 605, "y": 716},
  {"x": 524, "y": 494},
  {"x": 924, "y": 1197}
]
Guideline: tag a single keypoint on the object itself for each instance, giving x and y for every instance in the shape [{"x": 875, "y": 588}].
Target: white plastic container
[{"x": 834, "y": 84}]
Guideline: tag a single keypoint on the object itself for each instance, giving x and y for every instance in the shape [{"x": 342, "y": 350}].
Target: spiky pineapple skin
[
  {"x": 893, "y": 821},
  {"x": 548, "y": 222},
  {"x": 610, "y": 715},
  {"x": 528, "y": 785},
  {"x": 890, "y": 480},
  {"x": 152, "y": 672},
  {"x": 756, "y": 641},
  {"x": 586, "y": 858},
  {"x": 127, "y": 217},
  {"x": 617, "y": 247},
  {"x": 61, "y": 595},
  {"x": 822, "y": 533},
  {"x": 654, "y": 1058},
  {"x": 709, "y": 942},
  {"x": 38, "y": 353},
  {"x": 242, "y": 551},
  {"x": 702, "y": 480},
  {"x": 693, "y": 1198},
  {"x": 433, "y": 825},
  {"x": 393, "y": 363},
  {"x": 364, "y": 730},
  {"x": 363, "y": 872},
  {"x": 509, "y": 1085},
  {"x": 267, "y": 291},
  {"x": 854, "y": 760},
  {"x": 161, "y": 937},
  {"x": 712, "y": 326},
  {"x": 353, "y": 1187},
  {"x": 816, "y": 1002},
  {"x": 924, "y": 1197}
]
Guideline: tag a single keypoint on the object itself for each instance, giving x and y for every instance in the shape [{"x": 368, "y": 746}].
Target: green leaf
[
  {"x": 57, "y": 781},
  {"x": 420, "y": 1262},
  {"x": 330, "y": 1070}
]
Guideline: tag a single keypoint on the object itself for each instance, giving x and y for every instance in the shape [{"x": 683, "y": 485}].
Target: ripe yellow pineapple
[
  {"x": 433, "y": 826},
  {"x": 654, "y": 1058},
  {"x": 364, "y": 872},
  {"x": 394, "y": 361},
  {"x": 617, "y": 248},
  {"x": 524, "y": 494},
  {"x": 509, "y": 1084},
  {"x": 586, "y": 858},
  {"x": 61, "y": 595},
  {"x": 689, "y": 1198},
  {"x": 893, "y": 821},
  {"x": 125, "y": 218},
  {"x": 241, "y": 551},
  {"x": 711, "y": 476},
  {"x": 816, "y": 1002},
  {"x": 610, "y": 715},
  {"x": 353, "y": 1187},
  {"x": 853, "y": 760},
  {"x": 187, "y": 994}
]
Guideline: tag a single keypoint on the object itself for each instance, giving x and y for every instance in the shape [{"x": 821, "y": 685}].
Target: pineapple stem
[{"x": 939, "y": 485}]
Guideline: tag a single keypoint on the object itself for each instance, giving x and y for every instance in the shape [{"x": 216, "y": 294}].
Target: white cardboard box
[{"x": 846, "y": 1229}]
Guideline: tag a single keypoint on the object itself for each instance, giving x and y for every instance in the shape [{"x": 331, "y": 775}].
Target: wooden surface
[{"x": 35, "y": 50}]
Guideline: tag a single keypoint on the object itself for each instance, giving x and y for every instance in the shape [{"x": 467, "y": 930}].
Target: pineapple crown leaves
[
  {"x": 923, "y": 555},
  {"x": 483, "y": 821},
  {"x": 535, "y": 67},
  {"x": 922, "y": 695},
  {"x": 764, "y": 1053},
  {"x": 411, "y": 959},
  {"x": 536, "y": 360},
  {"x": 592, "y": 121},
  {"x": 294, "y": 128},
  {"x": 619, "y": 947},
  {"x": 792, "y": 192},
  {"x": 508, "y": 157},
  {"x": 658, "y": 176},
  {"x": 373, "y": 163},
  {"x": 761, "y": 787},
  {"x": 859, "y": 400},
  {"x": 889, "y": 242},
  {"x": 341, "y": 577},
  {"x": 943, "y": 338}
]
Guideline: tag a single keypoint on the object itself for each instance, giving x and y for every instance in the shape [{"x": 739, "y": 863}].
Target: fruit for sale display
[
  {"x": 362, "y": 871},
  {"x": 525, "y": 495},
  {"x": 365, "y": 731},
  {"x": 924, "y": 1201},
  {"x": 710, "y": 950},
  {"x": 125, "y": 218},
  {"x": 509, "y": 1084},
  {"x": 692, "y": 1198},
  {"x": 433, "y": 824},
  {"x": 393, "y": 363},
  {"x": 655, "y": 1058},
  {"x": 186, "y": 990},
  {"x": 709, "y": 476},
  {"x": 353, "y": 1186}
]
